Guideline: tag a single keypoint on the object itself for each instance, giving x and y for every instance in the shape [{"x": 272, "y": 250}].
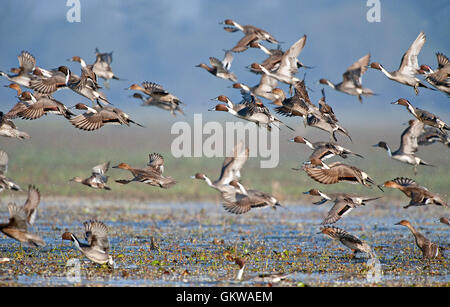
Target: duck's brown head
[
  {"x": 122, "y": 166},
  {"x": 81, "y": 106},
  {"x": 316, "y": 162},
  {"x": 255, "y": 66},
  {"x": 15, "y": 70},
  {"x": 64, "y": 70},
  {"x": 424, "y": 69},
  {"x": 236, "y": 85},
  {"x": 314, "y": 192},
  {"x": 222, "y": 98},
  {"x": 298, "y": 139},
  {"x": 75, "y": 59},
  {"x": 404, "y": 223},
  {"x": 15, "y": 87},
  {"x": 200, "y": 176},
  {"x": 327, "y": 231},
  {"x": 391, "y": 184},
  {"x": 444, "y": 220},
  {"x": 228, "y": 22},
  {"x": 402, "y": 102},
  {"x": 26, "y": 96},
  {"x": 375, "y": 65},
  {"x": 221, "y": 107},
  {"x": 135, "y": 87},
  {"x": 323, "y": 81},
  {"x": 67, "y": 236},
  {"x": 381, "y": 144}
]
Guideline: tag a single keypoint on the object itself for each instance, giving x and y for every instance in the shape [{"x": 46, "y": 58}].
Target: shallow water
[{"x": 190, "y": 251}]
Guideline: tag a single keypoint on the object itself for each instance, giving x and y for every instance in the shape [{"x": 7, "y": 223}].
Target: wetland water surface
[{"x": 192, "y": 244}]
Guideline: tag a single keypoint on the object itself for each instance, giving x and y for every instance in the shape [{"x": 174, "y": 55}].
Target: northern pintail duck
[
  {"x": 87, "y": 85},
  {"x": 297, "y": 105},
  {"x": 151, "y": 175},
  {"x": 272, "y": 63},
  {"x": 445, "y": 221},
  {"x": 220, "y": 69},
  {"x": 5, "y": 182},
  {"x": 429, "y": 249},
  {"x": 408, "y": 146},
  {"x": 49, "y": 85},
  {"x": 288, "y": 65},
  {"x": 242, "y": 200},
  {"x": 9, "y": 129},
  {"x": 231, "y": 169},
  {"x": 324, "y": 119},
  {"x": 440, "y": 78},
  {"x": 34, "y": 106},
  {"x": 97, "y": 248},
  {"x": 430, "y": 135},
  {"x": 352, "y": 242},
  {"x": 159, "y": 95},
  {"x": 352, "y": 79},
  {"x": 344, "y": 203},
  {"x": 325, "y": 150},
  {"x": 419, "y": 195},
  {"x": 21, "y": 218},
  {"x": 150, "y": 102},
  {"x": 102, "y": 66},
  {"x": 98, "y": 179},
  {"x": 24, "y": 75},
  {"x": 424, "y": 116},
  {"x": 409, "y": 67},
  {"x": 97, "y": 116},
  {"x": 337, "y": 172},
  {"x": 254, "y": 111},
  {"x": 359, "y": 200},
  {"x": 252, "y": 34},
  {"x": 262, "y": 89}
]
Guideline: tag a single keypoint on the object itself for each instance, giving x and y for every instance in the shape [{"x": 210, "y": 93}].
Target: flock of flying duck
[{"x": 280, "y": 66}]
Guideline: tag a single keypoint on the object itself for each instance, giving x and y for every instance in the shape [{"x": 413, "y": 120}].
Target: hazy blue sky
[{"x": 162, "y": 41}]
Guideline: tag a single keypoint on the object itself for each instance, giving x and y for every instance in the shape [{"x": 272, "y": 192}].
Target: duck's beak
[
  {"x": 291, "y": 140},
  {"x": 394, "y": 102},
  {"x": 307, "y": 192}
]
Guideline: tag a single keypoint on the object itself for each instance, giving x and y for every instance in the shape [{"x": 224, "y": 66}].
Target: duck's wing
[
  {"x": 227, "y": 60},
  {"x": 408, "y": 142},
  {"x": 17, "y": 217},
  {"x": 288, "y": 65},
  {"x": 31, "y": 204},
  {"x": 339, "y": 209},
  {"x": 156, "y": 161},
  {"x": 409, "y": 64},
  {"x": 93, "y": 121},
  {"x": 27, "y": 62},
  {"x": 3, "y": 162},
  {"x": 101, "y": 169},
  {"x": 353, "y": 74},
  {"x": 97, "y": 234},
  {"x": 243, "y": 43},
  {"x": 154, "y": 88},
  {"x": 232, "y": 165},
  {"x": 442, "y": 60}
]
